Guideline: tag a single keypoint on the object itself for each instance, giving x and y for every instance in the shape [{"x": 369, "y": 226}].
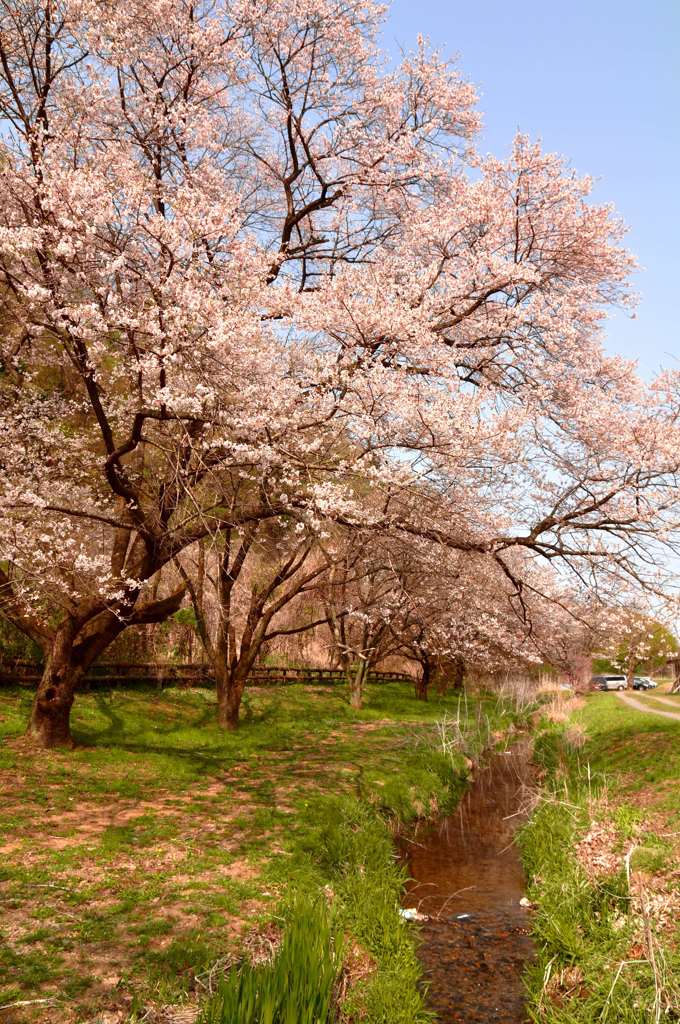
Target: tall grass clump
[
  {"x": 471, "y": 729},
  {"x": 352, "y": 846},
  {"x": 298, "y": 986}
]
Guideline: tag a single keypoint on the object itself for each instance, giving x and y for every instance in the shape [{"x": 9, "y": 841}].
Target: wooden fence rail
[{"x": 104, "y": 675}]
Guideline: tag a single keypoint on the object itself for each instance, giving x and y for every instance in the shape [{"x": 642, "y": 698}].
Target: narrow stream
[{"x": 467, "y": 878}]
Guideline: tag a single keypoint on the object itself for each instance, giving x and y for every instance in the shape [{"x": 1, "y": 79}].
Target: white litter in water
[{"x": 412, "y": 914}]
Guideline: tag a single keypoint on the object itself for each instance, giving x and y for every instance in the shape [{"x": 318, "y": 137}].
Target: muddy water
[{"x": 467, "y": 878}]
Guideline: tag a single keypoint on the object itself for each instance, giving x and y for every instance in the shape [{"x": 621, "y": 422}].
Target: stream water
[{"x": 467, "y": 878}]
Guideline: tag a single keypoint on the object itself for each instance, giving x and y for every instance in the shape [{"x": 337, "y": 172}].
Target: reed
[{"x": 297, "y": 986}]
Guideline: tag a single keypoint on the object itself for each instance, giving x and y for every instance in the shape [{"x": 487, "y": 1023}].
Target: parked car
[
  {"x": 643, "y": 683},
  {"x": 609, "y": 682}
]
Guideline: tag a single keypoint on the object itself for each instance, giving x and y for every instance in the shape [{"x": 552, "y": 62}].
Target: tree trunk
[
  {"x": 676, "y": 675},
  {"x": 356, "y": 677},
  {"x": 230, "y": 687},
  {"x": 49, "y": 725},
  {"x": 75, "y": 646},
  {"x": 423, "y": 681},
  {"x": 630, "y": 676},
  {"x": 458, "y": 674}
]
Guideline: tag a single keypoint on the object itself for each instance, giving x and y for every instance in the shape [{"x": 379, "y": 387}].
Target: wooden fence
[{"x": 107, "y": 675}]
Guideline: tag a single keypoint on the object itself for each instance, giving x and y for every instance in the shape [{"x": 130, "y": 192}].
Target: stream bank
[{"x": 602, "y": 852}]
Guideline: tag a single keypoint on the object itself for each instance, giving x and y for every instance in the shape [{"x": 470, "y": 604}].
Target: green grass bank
[
  {"x": 138, "y": 868},
  {"x": 602, "y": 851}
]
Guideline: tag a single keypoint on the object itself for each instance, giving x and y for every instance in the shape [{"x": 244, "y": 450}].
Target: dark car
[{"x": 643, "y": 683}]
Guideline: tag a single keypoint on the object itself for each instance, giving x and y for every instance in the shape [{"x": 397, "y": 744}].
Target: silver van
[{"x": 609, "y": 682}]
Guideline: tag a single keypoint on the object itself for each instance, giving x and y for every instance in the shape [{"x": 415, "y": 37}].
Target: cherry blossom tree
[
  {"x": 233, "y": 246},
  {"x": 639, "y": 642},
  {"x": 438, "y": 608},
  {"x": 361, "y": 600},
  {"x": 239, "y": 590},
  {"x": 464, "y": 610},
  {"x": 162, "y": 165}
]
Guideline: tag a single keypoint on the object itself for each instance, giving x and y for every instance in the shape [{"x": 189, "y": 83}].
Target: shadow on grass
[{"x": 192, "y": 739}]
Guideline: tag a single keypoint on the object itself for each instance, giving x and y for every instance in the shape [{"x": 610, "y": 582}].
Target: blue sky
[{"x": 599, "y": 82}]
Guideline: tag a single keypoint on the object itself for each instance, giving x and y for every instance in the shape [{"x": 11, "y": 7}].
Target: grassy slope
[
  {"x": 135, "y": 862},
  {"x": 602, "y": 850}
]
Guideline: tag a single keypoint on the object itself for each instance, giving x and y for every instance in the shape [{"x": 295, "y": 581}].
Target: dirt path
[
  {"x": 674, "y": 702},
  {"x": 639, "y": 706}
]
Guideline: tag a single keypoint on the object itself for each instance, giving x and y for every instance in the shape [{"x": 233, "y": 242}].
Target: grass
[
  {"x": 601, "y": 851},
  {"x": 157, "y": 848}
]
